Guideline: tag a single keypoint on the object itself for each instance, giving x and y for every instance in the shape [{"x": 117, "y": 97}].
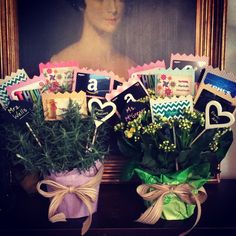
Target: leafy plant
[
  {"x": 168, "y": 146},
  {"x": 65, "y": 144}
]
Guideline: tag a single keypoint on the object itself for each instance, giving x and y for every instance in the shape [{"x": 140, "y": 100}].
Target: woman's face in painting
[{"x": 104, "y": 15}]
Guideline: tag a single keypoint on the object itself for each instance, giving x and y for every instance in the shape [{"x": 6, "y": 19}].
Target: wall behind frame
[{"x": 228, "y": 166}]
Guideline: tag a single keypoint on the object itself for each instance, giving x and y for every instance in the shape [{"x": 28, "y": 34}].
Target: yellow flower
[
  {"x": 128, "y": 134},
  {"x": 132, "y": 130}
]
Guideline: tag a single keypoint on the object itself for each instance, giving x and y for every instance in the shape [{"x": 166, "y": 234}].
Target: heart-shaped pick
[
  {"x": 103, "y": 111},
  {"x": 220, "y": 113}
]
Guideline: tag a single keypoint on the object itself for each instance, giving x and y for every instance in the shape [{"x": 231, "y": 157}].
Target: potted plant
[
  {"x": 171, "y": 160},
  {"x": 63, "y": 152}
]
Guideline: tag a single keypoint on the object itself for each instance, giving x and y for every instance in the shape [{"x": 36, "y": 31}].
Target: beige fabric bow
[
  {"x": 156, "y": 193},
  {"x": 86, "y": 192}
]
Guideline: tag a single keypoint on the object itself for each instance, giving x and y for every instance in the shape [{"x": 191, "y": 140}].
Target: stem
[
  {"x": 174, "y": 135},
  {"x": 88, "y": 148},
  {"x": 94, "y": 135},
  {"x": 197, "y": 137},
  {"x": 176, "y": 164},
  {"x": 32, "y": 132}
]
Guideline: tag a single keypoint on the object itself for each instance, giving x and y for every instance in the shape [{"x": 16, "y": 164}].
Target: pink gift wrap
[{"x": 71, "y": 205}]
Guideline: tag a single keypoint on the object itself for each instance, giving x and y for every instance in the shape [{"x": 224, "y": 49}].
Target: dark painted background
[{"x": 151, "y": 30}]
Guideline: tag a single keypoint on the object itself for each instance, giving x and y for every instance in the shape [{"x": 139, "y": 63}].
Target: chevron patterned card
[
  {"x": 184, "y": 61},
  {"x": 175, "y": 82},
  {"x": 55, "y": 105},
  {"x": 170, "y": 107},
  {"x": 16, "y": 78},
  {"x": 7, "y": 77}
]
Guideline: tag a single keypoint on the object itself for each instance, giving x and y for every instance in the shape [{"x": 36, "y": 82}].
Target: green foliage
[
  {"x": 66, "y": 143},
  {"x": 169, "y": 145}
]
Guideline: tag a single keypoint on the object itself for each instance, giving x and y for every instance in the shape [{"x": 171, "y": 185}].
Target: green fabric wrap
[{"x": 173, "y": 207}]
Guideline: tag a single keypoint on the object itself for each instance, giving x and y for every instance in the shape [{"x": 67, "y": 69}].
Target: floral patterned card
[
  {"x": 55, "y": 105},
  {"x": 170, "y": 107},
  {"x": 59, "y": 76},
  {"x": 197, "y": 63},
  {"x": 175, "y": 82}
]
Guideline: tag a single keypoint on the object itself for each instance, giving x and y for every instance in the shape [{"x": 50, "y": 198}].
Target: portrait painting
[{"x": 112, "y": 35}]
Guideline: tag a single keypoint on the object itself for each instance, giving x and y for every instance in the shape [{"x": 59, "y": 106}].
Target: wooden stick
[
  {"x": 88, "y": 148},
  {"x": 94, "y": 135},
  {"x": 32, "y": 132},
  {"x": 197, "y": 137},
  {"x": 174, "y": 137}
]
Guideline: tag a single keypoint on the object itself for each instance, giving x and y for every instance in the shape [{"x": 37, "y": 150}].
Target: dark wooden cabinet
[{"x": 118, "y": 207}]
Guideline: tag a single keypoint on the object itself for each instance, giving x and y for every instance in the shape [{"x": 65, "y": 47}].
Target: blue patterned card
[
  {"x": 170, "y": 107},
  {"x": 220, "y": 80}
]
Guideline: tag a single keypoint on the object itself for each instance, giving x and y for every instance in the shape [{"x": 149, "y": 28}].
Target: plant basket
[
  {"x": 172, "y": 197},
  {"x": 73, "y": 194}
]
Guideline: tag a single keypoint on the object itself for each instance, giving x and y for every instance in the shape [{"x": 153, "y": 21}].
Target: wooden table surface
[{"x": 118, "y": 207}]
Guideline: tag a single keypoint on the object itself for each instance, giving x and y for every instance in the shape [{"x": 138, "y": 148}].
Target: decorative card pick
[
  {"x": 220, "y": 80},
  {"x": 19, "y": 111},
  {"x": 222, "y": 119},
  {"x": 32, "y": 95},
  {"x": 94, "y": 85},
  {"x": 116, "y": 84},
  {"x": 6, "y": 78},
  {"x": 15, "y": 78},
  {"x": 170, "y": 107},
  {"x": 215, "y": 118},
  {"x": 132, "y": 111},
  {"x": 15, "y": 91},
  {"x": 130, "y": 91},
  {"x": 197, "y": 63},
  {"x": 101, "y": 111},
  {"x": 59, "y": 76},
  {"x": 175, "y": 82},
  {"x": 207, "y": 93},
  {"x": 148, "y": 81},
  {"x": 146, "y": 69},
  {"x": 217, "y": 105},
  {"x": 55, "y": 105}
]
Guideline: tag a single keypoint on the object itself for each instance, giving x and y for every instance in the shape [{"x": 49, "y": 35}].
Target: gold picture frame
[{"x": 210, "y": 42}]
